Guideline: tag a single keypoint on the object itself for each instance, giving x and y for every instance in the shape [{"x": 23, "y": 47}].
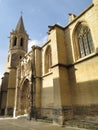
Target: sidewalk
[{"x": 24, "y": 124}]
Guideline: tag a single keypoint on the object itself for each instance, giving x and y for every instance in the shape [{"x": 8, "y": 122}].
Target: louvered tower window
[
  {"x": 21, "y": 42},
  {"x": 14, "y": 41}
]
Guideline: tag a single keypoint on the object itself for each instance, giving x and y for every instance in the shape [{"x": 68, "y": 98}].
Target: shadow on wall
[
  {"x": 83, "y": 92},
  {"x": 84, "y": 96},
  {"x": 3, "y": 93}
]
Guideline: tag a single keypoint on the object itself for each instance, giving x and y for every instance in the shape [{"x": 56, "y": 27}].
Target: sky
[{"x": 37, "y": 16}]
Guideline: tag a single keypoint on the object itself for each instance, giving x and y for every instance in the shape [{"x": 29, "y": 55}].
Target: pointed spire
[{"x": 20, "y": 26}]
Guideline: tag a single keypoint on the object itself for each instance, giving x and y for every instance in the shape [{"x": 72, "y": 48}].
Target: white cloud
[
  {"x": 31, "y": 43},
  {"x": 44, "y": 39},
  {"x": 37, "y": 42}
]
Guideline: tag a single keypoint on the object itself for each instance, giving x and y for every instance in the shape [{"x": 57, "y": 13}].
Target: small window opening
[
  {"x": 20, "y": 57},
  {"x": 15, "y": 41},
  {"x": 21, "y": 42}
]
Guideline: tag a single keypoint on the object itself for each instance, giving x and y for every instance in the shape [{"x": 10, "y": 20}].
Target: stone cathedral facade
[{"x": 59, "y": 80}]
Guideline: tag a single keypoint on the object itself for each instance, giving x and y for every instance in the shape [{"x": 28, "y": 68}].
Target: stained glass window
[{"x": 84, "y": 38}]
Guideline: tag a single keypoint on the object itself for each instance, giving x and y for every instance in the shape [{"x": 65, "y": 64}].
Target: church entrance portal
[{"x": 25, "y": 97}]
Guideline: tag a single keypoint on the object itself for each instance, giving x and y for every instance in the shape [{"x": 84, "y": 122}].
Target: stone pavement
[{"x": 24, "y": 124}]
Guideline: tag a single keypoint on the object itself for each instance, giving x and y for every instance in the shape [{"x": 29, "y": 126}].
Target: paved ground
[{"x": 24, "y": 124}]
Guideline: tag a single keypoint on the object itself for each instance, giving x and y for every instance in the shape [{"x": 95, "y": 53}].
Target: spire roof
[{"x": 20, "y": 26}]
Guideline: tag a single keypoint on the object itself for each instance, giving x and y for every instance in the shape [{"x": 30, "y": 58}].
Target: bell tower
[
  {"x": 17, "y": 49},
  {"x": 18, "y": 45}
]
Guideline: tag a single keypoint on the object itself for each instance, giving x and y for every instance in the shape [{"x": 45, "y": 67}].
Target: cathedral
[{"x": 57, "y": 81}]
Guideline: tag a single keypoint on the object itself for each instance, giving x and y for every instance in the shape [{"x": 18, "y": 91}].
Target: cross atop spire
[{"x": 20, "y": 26}]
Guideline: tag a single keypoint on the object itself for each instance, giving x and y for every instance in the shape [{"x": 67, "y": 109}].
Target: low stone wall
[
  {"x": 84, "y": 117},
  {"x": 47, "y": 113},
  {"x": 57, "y": 115},
  {"x": 85, "y": 111}
]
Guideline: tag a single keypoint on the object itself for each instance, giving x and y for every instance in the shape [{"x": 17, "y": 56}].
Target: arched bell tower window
[
  {"x": 14, "y": 41},
  {"x": 20, "y": 57},
  {"x": 21, "y": 42},
  {"x": 48, "y": 59},
  {"x": 84, "y": 42}
]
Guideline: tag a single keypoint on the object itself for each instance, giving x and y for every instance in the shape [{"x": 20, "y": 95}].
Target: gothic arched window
[
  {"x": 48, "y": 60},
  {"x": 21, "y": 42},
  {"x": 14, "y": 41},
  {"x": 84, "y": 40}
]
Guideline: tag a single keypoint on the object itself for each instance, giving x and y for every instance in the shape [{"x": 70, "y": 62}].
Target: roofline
[
  {"x": 45, "y": 43},
  {"x": 55, "y": 25},
  {"x": 77, "y": 17}
]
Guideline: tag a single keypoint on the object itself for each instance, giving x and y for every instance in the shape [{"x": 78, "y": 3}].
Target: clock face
[{"x": 15, "y": 59}]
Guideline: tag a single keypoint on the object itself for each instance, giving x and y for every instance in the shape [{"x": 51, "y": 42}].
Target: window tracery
[{"x": 84, "y": 40}]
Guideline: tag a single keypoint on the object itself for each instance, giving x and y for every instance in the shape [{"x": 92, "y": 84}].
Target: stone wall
[{"x": 4, "y": 88}]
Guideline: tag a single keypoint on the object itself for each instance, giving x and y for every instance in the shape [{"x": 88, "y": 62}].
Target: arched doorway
[{"x": 25, "y": 97}]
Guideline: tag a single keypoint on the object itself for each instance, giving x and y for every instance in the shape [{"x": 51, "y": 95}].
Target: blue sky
[{"x": 37, "y": 15}]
